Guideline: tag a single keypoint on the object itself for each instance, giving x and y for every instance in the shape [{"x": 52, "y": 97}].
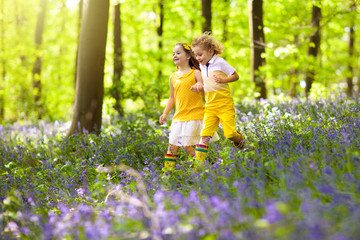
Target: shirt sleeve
[{"x": 226, "y": 68}]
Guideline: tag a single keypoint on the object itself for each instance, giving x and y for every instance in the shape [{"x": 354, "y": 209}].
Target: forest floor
[{"x": 301, "y": 180}]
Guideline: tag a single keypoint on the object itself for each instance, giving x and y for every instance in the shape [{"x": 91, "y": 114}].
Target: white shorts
[{"x": 187, "y": 133}]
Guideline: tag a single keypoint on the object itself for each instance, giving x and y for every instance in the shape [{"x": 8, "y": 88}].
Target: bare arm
[
  {"x": 199, "y": 86},
  {"x": 232, "y": 78},
  {"x": 169, "y": 105}
]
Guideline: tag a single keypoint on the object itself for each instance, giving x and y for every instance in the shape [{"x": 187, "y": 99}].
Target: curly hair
[
  {"x": 207, "y": 41},
  {"x": 192, "y": 61}
]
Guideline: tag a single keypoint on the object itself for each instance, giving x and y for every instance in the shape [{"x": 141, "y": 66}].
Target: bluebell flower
[
  {"x": 326, "y": 189},
  {"x": 272, "y": 213}
]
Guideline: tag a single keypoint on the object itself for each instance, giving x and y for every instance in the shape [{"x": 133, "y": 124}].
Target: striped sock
[
  {"x": 241, "y": 144},
  {"x": 169, "y": 163},
  {"x": 200, "y": 154}
]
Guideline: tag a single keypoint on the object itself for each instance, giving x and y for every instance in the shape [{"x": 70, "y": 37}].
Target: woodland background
[
  {"x": 64, "y": 62},
  {"x": 39, "y": 44}
]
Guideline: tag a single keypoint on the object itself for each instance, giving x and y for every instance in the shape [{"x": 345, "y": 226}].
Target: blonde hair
[{"x": 207, "y": 41}]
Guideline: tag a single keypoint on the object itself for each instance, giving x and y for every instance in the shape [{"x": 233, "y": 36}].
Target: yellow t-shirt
[{"x": 188, "y": 104}]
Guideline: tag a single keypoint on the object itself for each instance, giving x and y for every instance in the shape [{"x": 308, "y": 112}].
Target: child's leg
[
  {"x": 211, "y": 122},
  {"x": 238, "y": 140},
  {"x": 205, "y": 140},
  {"x": 173, "y": 149},
  {"x": 227, "y": 120},
  {"x": 190, "y": 150},
  {"x": 170, "y": 158},
  {"x": 201, "y": 151}
]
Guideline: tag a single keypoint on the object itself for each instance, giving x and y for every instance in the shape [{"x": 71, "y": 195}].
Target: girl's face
[
  {"x": 203, "y": 55},
  {"x": 179, "y": 56}
]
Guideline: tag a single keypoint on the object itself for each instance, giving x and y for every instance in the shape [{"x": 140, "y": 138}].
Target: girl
[
  {"x": 185, "y": 88},
  {"x": 219, "y": 107}
]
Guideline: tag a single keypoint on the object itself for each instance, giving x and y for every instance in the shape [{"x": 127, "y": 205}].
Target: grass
[{"x": 299, "y": 180}]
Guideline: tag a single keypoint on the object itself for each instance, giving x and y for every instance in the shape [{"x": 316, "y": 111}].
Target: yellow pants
[{"x": 219, "y": 110}]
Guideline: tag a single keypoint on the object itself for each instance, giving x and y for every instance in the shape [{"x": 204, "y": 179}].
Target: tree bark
[
  {"x": 3, "y": 63},
  {"x": 118, "y": 61},
  {"x": 90, "y": 76},
  {"x": 36, "y": 71},
  {"x": 314, "y": 46},
  {"x": 358, "y": 78},
  {"x": 206, "y": 14},
  {"x": 349, "y": 78},
  {"x": 160, "y": 31},
  {"x": 257, "y": 45},
  {"x": 294, "y": 73},
  {"x": 225, "y": 20},
  {"x": 81, "y": 3}
]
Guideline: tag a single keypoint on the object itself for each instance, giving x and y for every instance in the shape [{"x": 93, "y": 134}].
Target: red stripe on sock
[{"x": 201, "y": 146}]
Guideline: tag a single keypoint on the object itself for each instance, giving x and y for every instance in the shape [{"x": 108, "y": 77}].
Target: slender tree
[
  {"x": 160, "y": 31},
  {"x": 80, "y": 7},
  {"x": 294, "y": 72},
  {"x": 21, "y": 26},
  {"x": 62, "y": 45},
  {"x": 90, "y": 76},
  {"x": 192, "y": 10},
  {"x": 351, "y": 50},
  {"x": 257, "y": 45},
  {"x": 36, "y": 71},
  {"x": 358, "y": 78},
  {"x": 225, "y": 20},
  {"x": 118, "y": 61},
  {"x": 349, "y": 78},
  {"x": 206, "y": 14},
  {"x": 314, "y": 45},
  {"x": 3, "y": 62}
]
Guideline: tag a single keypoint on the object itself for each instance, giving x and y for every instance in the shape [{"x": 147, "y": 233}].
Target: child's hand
[
  {"x": 200, "y": 87},
  {"x": 219, "y": 79},
  {"x": 194, "y": 87},
  {"x": 162, "y": 119},
  {"x": 197, "y": 87}
]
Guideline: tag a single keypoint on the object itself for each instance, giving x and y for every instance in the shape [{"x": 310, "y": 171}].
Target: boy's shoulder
[
  {"x": 222, "y": 65},
  {"x": 219, "y": 59}
]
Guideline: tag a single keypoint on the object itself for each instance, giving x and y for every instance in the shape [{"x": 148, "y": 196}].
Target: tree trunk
[
  {"x": 62, "y": 45},
  {"x": 358, "y": 78},
  {"x": 90, "y": 76},
  {"x": 349, "y": 79},
  {"x": 257, "y": 45},
  {"x": 206, "y": 14},
  {"x": 118, "y": 61},
  {"x": 21, "y": 29},
  {"x": 36, "y": 71},
  {"x": 225, "y": 20},
  {"x": 3, "y": 64},
  {"x": 314, "y": 46},
  {"x": 20, "y": 22},
  {"x": 160, "y": 31},
  {"x": 294, "y": 73},
  {"x": 81, "y": 3}
]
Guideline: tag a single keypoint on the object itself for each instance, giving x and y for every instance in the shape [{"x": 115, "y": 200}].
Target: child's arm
[
  {"x": 232, "y": 78},
  {"x": 170, "y": 104},
  {"x": 199, "y": 85}
]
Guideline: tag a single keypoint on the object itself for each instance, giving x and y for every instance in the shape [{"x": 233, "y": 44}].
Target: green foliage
[{"x": 147, "y": 68}]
